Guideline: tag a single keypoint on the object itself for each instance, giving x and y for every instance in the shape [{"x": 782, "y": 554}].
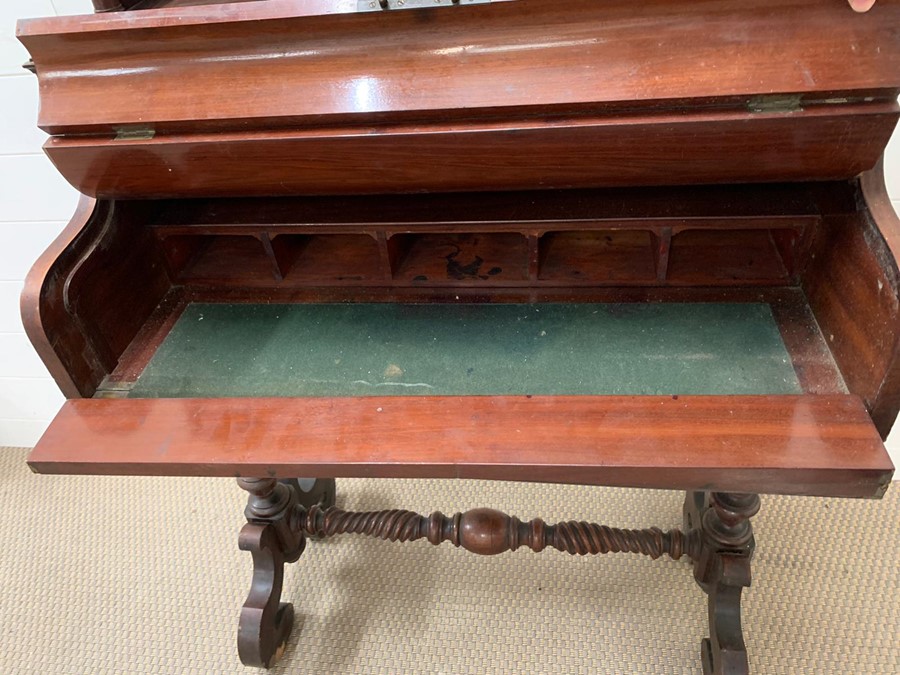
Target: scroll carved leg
[
  {"x": 265, "y": 623},
  {"x": 282, "y": 514},
  {"x": 272, "y": 536},
  {"x": 723, "y": 570}
]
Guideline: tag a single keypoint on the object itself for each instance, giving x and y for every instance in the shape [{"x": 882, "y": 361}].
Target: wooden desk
[{"x": 616, "y": 244}]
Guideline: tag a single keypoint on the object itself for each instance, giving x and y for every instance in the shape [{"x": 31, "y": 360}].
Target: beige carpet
[{"x": 127, "y": 575}]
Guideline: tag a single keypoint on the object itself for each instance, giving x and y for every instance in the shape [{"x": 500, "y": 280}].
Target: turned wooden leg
[
  {"x": 723, "y": 570},
  {"x": 282, "y": 514},
  {"x": 273, "y": 536},
  {"x": 490, "y": 532}
]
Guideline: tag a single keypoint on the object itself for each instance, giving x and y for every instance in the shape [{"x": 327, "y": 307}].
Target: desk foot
[
  {"x": 723, "y": 570},
  {"x": 273, "y": 537},
  {"x": 265, "y": 622}
]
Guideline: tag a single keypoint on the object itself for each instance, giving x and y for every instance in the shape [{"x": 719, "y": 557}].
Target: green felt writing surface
[{"x": 383, "y": 349}]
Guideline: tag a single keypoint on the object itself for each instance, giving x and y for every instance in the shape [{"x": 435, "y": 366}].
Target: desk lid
[{"x": 292, "y": 96}]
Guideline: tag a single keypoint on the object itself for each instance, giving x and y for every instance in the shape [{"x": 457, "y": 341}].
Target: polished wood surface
[
  {"x": 662, "y": 150},
  {"x": 817, "y": 445},
  {"x": 284, "y": 151},
  {"x": 853, "y": 291},
  {"x": 43, "y": 314},
  {"x": 234, "y": 59},
  {"x": 886, "y": 404},
  {"x": 587, "y": 99},
  {"x": 90, "y": 293}
]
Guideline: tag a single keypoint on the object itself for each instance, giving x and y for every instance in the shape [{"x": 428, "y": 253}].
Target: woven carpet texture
[{"x": 143, "y": 575}]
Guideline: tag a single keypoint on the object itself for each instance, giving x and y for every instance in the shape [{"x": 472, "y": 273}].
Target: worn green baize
[{"x": 455, "y": 349}]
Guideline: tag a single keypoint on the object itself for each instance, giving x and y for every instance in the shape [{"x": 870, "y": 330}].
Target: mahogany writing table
[{"x": 566, "y": 242}]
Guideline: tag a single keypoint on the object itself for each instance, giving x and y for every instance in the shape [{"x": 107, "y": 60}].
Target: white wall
[{"x": 35, "y": 204}]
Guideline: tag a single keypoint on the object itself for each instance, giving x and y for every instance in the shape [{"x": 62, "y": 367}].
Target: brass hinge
[
  {"x": 135, "y": 134},
  {"x": 775, "y": 103},
  {"x": 380, "y": 5}
]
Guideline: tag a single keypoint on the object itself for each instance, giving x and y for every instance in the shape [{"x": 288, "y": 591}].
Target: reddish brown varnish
[
  {"x": 526, "y": 151},
  {"x": 804, "y": 248},
  {"x": 822, "y": 445},
  {"x": 508, "y": 95}
]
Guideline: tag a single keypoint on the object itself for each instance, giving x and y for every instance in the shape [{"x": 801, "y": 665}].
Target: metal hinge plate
[
  {"x": 135, "y": 134},
  {"x": 384, "y": 5},
  {"x": 775, "y": 103}
]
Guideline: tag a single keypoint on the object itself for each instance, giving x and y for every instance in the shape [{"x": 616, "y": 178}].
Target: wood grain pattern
[
  {"x": 853, "y": 286},
  {"x": 90, "y": 293},
  {"x": 589, "y": 98},
  {"x": 574, "y": 238},
  {"x": 231, "y": 61},
  {"x": 879, "y": 210},
  {"x": 43, "y": 312},
  {"x": 664, "y": 150},
  {"x": 304, "y": 102},
  {"x": 816, "y": 445}
]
